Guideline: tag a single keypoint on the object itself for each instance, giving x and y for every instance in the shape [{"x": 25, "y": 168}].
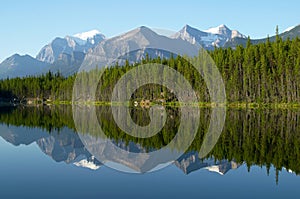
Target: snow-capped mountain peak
[
  {"x": 225, "y": 31},
  {"x": 190, "y": 34},
  {"x": 210, "y": 38},
  {"x": 80, "y": 42},
  {"x": 86, "y": 35},
  {"x": 289, "y": 28},
  {"x": 218, "y": 30},
  {"x": 222, "y": 30}
]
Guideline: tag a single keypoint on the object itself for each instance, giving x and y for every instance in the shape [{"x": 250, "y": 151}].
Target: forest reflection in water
[{"x": 262, "y": 137}]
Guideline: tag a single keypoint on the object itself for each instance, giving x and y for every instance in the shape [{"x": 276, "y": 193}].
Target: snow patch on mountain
[
  {"x": 86, "y": 35},
  {"x": 133, "y": 46},
  {"x": 225, "y": 31},
  {"x": 87, "y": 164},
  {"x": 216, "y": 30},
  {"x": 235, "y": 33},
  {"x": 80, "y": 42},
  {"x": 214, "y": 168},
  {"x": 289, "y": 28},
  {"x": 208, "y": 39}
]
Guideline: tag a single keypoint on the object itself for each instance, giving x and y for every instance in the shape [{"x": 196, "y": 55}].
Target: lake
[{"x": 45, "y": 154}]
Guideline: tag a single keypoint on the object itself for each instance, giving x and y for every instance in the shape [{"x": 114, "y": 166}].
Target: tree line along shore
[{"x": 260, "y": 75}]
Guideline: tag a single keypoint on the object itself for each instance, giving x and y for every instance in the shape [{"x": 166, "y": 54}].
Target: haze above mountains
[{"x": 92, "y": 48}]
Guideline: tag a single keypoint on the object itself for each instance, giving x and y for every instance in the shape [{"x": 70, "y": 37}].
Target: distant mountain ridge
[
  {"x": 213, "y": 37},
  {"x": 80, "y": 42},
  {"x": 137, "y": 43},
  {"x": 20, "y": 66},
  {"x": 190, "y": 162},
  {"x": 66, "y": 146},
  {"x": 92, "y": 48},
  {"x": 291, "y": 33}
]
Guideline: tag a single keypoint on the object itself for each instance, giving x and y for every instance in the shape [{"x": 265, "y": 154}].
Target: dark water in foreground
[{"x": 43, "y": 156}]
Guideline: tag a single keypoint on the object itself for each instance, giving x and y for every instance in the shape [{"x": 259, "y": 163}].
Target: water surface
[{"x": 43, "y": 156}]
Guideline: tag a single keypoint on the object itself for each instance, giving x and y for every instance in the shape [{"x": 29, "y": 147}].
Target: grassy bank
[{"x": 236, "y": 105}]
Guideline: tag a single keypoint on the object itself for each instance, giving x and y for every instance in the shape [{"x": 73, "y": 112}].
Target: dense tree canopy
[
  {"x": 262, "y": 73},
  {"x": 260, "y": 137}
]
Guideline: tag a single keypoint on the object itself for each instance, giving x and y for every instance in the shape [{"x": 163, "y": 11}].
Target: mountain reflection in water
[{"x": 251, "y": 137}]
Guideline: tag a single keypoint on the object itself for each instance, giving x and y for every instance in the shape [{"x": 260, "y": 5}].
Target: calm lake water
[{"x": 44, "y": 156}]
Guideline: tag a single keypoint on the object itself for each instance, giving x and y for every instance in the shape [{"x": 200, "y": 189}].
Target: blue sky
[{"x": 26, "y": 26}]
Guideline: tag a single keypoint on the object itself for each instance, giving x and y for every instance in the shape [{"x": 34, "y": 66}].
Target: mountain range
[
  {"x": 92, "y": 48},
  {"x": 66, "y": 146},
  {"x": 62, "y": 146}
]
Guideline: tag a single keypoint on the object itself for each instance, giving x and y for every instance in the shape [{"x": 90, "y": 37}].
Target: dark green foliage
[
  {"x": 261, "y": 137},
  {"x": 45, "y": 117},
  {"x": 48, "y": 86},
  {"x": 264, "y": 73}
]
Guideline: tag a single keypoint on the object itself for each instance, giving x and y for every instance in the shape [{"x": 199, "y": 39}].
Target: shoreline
[{"x": 238, "y": 105}]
